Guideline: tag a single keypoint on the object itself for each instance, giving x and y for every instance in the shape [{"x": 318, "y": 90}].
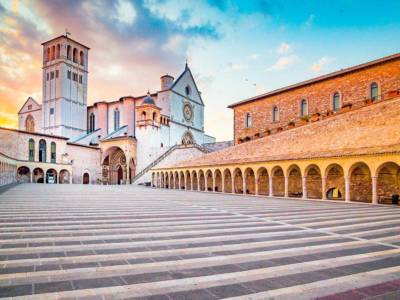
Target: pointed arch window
[
  {"x": 116, "y": 119},
  {"x": 81, "y": 58},
  {"x": 53, "y": 152},
  {"x": 69, "y": 52},
  {"x": 92, "y": 124},
  {"x": 275, "y": 114},
  {"x": 336, "y": 101},
  {"x": 31, "y": 150},
  {"x": 248, "y": 120},
  {"x": 42, "y": 151},
  {"x": 304, "y": 108},
  {"x": 374, "y": 91},
  {"x": 75, "y": 55}
]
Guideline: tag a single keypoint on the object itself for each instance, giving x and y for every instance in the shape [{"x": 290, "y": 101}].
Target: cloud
[
  {"x": 234, "y": 67},
  {"x": 284, "y": 48},
  {"x": 175, "y": 44},
  {"x": 125, "y": 13},
  {"x": 253, "y": 56},
  {"x": 321, "y": 63},
  {"x": 282, "y": 63},
  {"x": 310, "y": 21}
]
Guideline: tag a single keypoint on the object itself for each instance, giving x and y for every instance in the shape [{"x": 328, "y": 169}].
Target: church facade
[{"x": 122, "y": 137}]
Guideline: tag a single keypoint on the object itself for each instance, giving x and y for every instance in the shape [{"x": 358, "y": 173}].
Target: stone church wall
[{"x": 353, "y": 88}]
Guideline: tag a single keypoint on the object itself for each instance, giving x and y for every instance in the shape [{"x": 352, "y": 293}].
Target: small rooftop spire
[{"x": 186, "y": 64}]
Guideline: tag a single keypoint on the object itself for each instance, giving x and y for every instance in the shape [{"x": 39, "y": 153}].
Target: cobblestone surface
[{"x": 124, "y": 242}]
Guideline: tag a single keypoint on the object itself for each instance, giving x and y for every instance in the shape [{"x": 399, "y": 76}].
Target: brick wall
[{"x": 353, "y": 88}]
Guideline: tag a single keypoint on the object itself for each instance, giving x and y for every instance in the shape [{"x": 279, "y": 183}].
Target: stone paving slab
[{"x": 126, "y": 242}]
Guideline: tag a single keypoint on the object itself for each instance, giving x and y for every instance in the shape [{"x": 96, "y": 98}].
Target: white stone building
[{"x": 131, "y": 134}]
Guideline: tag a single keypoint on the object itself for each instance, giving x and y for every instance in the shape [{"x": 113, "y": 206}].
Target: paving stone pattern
[{"x": 125, "y": 242}]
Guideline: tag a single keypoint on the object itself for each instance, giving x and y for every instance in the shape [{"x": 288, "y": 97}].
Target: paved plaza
[{"x": 124, "y": 242}]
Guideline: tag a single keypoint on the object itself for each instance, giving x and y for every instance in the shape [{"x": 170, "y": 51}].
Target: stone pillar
[
  {"x": 323, "y": 188},
  {"x": 256, "y": 185},
  {"x": 213, "y": 182},
  {"x": 233, "y": 185},
  {"x": 374, "y": 189},
  {"x": 198, "y": 183},
  {"x": 244, "y": 184},
  {"x": 347, "y": 189},
  {"x": 304, "y": 184},
  {"x": 286, "y": 186},
  {"x": 31, "y": 180},
  {"x": 222, "y": 183},
  {"x": 271, "y": 191}
]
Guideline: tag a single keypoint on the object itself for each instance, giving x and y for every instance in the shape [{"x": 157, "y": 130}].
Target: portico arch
[
  {"x": 181, "y": 180},
  {"x": 64, "y": 177},
  {"x": 263, "y": 181},
  {"x": 278, "y": 182},
  {"x": 51, "y": 176},
  {"x": 202, "y": 181},
  {"x": 38, "y": 175},
  {"x": 360, "y": 183},
  {"x": 195, "y": 186},
  {"x": 23, "y": 175},
  {"x": 313, "y": 182},
  {"x": 388, "y": 180},
  {"x": 188, "y": 180},
  {"x": 295, "y": 187},
  {"x": 171, "y": 180},
  {"x": 238, "y": 181},
  {"x": 250, "y": 180},
  {"x": 114, "y": 166},
  {"x": 227, "y": 181},
  {"x": 176, "y": 180},
  {"x": 335, "y": 183},
  {"x": 209, "y": 180},
  {"x": 218, "y": 180},
  {"x": 166, "y": 180}
]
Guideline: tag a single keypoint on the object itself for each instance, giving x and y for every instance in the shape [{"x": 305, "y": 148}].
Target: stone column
[
  {"x": 233, "y": 185},
  {"x": 347, "y": 189},
  {"x": 31, "y": 180},
  {"x": 213, "y": 182},
  {"x": 374, "y": 189},
  {"x": 271, "y": 191},
  {"x": 323, "y": 188},
  {"x": 304, "y": 183},
  {"x": 198, "y": 183},
  {"x": 256, "y": 184},
  {"x": 222, "y": 183},
  {"x": 286, "y": 186},
  {"x": 244, "y": 185}
]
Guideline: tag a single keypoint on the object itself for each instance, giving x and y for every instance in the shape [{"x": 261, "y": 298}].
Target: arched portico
[
  {"x": 334, "y": 182},
  {"x": 65, "y": 177},
  {"x": 250, "y": 181},
  {"x": 23, "y": 175},
  {"x": 313, "y": 181},
  {"x": 387, "y": 181},
  {"x": 360, "y": 183},
  {"x": 51, "y": 176},
  {"x": 38, "y": 175},
  {"x": 238, "y": 181},
  {"x": 218, "y": 181},
  {"x": 209, "y": 181},
  {"x": 295, "y": 182},
  {"x": 114, "y": 165},
  {"x": 202, "y": 181},
  {"x": 188, "y": 180},
  {"x": 228, "y": 181},
  {"x": 278, "y": 182},
  {"x": 262, "y": 181}
]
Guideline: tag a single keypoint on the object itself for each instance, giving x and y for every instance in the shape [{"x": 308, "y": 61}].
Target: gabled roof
[
  {"x": 29, "y": 98},
  {"x": 318, "y": 79},
  {"x": 187, "y": 69}
]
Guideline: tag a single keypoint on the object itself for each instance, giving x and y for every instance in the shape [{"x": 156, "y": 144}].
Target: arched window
[
  {"x": 304, "y": 108},
  {"x": 336, "y": 101},
  {"x": 374, "y": 93},
  {"x": 82, "y": 58},
  {"x": 75, "y": 55},
  {"x": 92, "y": 125},
  {"x": 31, "y": 150},
  {"x": 69, "y": 52},
  {"x": 53, "y": 52},
  {"x": 116, "y": 119},
  {"x": 30, "y": 124},
  {"x": 53, "y": 152},
  {"x": 143, "y": 116},
  {"x": 42, "y": 151},
  {"x": 58, "y": 51},
  {"x": 154, "y": 116},
  {"x": 275, "y": 114},
  {"x": 187, "y": 138},
  {"x": 248, "y": 120},
  {"x": 48, "y": 54}
]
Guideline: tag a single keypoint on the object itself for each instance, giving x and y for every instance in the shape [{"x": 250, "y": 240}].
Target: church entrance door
[{"x": 120, "y": 175}]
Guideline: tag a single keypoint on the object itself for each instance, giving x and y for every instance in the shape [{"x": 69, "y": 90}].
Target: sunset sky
[{"x": 235, "y": 49}]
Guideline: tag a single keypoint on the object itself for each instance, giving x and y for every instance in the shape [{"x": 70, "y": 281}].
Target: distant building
[
  {"x": 125, "y": 137},
  {"x": 333, "y": 137}
]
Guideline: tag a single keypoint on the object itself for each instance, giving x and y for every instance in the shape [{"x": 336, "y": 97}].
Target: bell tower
[{"x": 65, "y": 78}]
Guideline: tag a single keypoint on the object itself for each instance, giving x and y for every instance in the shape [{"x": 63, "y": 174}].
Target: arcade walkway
[{"x": 118, "y": 242}]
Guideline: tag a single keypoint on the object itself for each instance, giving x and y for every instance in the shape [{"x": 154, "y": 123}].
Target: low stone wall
[{"x": 8, "y": 170}]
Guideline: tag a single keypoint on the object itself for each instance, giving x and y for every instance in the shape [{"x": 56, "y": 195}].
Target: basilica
[{"x": 64, "y": 140}]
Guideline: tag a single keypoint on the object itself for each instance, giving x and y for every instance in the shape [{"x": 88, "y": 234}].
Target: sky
[{"x": 235, "y": 49}]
